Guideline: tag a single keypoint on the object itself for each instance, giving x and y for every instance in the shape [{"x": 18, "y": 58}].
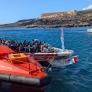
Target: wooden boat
[
  {"x": 58, "y": 57},
  {"x": 55, "y": 59},
  {"x": 57, "y": 54}
]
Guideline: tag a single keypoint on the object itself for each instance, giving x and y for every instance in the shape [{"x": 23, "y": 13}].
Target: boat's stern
[{"x": 64, "y": 62}]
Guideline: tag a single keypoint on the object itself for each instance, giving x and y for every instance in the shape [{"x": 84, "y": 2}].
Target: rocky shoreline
[{"x": 54, "y": 20}]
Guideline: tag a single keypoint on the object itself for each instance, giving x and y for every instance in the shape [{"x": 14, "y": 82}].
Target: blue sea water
[{"x": 73, "y": 78}]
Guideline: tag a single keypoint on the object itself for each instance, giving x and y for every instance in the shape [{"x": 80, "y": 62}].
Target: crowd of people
[{"x": 33, "y": 46}]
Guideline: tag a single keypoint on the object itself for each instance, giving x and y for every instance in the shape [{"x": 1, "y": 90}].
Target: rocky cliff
[{"x": 57, "y": 19}]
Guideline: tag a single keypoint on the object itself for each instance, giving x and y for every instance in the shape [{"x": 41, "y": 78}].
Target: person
[{"x": 45, "y": 49}]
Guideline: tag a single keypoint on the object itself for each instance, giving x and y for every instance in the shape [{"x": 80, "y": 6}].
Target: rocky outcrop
[{"x": 57, "y": 19}]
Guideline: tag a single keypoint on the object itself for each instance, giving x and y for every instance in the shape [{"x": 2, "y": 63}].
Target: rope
[{"x": 49, "y": 67}]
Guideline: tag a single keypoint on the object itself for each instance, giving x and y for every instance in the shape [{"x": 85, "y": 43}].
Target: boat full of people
[
  {"x": 56, "y": 57},
  {"x": 43, "y": 52}
]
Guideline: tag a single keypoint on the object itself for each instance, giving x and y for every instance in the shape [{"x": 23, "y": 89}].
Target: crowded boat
[
  {"x": 33, "y": 46},
  {"x": 42, "y": 51}
]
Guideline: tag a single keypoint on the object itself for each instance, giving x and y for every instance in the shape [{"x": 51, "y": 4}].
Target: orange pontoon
[{"x": 19, "y": 68}]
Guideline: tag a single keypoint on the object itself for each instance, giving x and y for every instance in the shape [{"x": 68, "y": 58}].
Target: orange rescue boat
[{"x": 19, "y": 68}]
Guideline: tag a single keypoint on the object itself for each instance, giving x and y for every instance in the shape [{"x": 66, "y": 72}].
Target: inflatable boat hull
[
  {"x": 25, "y": 80},
  {"x": 19, "y": 68}
]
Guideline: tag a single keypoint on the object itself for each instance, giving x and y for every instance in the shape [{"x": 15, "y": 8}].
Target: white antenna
[{"x": 62, "y": 39}]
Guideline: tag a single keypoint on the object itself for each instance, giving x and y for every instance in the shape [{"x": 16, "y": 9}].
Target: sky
[{"x": 13, "y": 10}]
